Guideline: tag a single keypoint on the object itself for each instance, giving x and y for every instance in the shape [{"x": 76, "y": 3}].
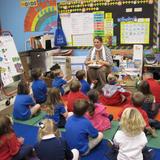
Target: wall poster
[
  {"x": 10, "y": 63},
  {"x": 135, "y": 32},
  {"x": 42, "y": 17}
]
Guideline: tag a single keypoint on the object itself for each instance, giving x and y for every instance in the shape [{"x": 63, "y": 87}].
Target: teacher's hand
[
  {"x": 90, "y": 62},
  {"x": 101, "y": 62}
]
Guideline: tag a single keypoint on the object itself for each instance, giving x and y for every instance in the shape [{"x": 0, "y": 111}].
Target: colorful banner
[
  {"x": 99, "y": 23},
  {"x": 109, "y": 24},
  {"x": 43, "y": 17}
]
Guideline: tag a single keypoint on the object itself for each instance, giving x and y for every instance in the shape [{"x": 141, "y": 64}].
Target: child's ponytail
[{"x": 91, "y": 108}]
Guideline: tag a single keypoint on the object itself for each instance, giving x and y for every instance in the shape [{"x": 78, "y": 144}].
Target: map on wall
[
  {"x": 42, "y": 17},
  {"x": 135, "y": 31}
]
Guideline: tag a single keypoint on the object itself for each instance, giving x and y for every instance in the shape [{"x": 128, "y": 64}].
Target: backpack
[{"x": 60, "y": 39}]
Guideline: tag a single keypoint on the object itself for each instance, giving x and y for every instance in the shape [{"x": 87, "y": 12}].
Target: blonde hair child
[
  {"x": 132, "y": 122},
  {"x": 130, "y": 139},
  {"x": 51, "y": 145}
]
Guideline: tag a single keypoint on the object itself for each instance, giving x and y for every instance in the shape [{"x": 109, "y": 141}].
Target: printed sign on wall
[{"x": 28, "y": 3}]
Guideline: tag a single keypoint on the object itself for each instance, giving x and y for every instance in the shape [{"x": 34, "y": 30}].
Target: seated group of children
[{"x": 83, "y": 117}]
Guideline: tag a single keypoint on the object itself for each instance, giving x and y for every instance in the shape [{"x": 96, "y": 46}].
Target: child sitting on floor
[
  {"x": 11, "y": 147},
  {"x": 80, "y": 133},
  {"x": 137, "y": 102},
  {"x": 97, "y": 113},
  {"x": 154, "y": 86},
  {"x": 59, "y": 82},
  {"x": 39, "y": 86},
  {"x": 51, "y": 146},
  {"x": 149, "y": 100},
  {"x": 24, "y": 106},
  {"x": 130, "y": 139},
  {"x": 114, "y": 94},
  {"x": 149, "y": 104},
  {"x": 57, "y": 110},
  {"x": 80, "y": 75},
  {"x": 74, "y": 94}
]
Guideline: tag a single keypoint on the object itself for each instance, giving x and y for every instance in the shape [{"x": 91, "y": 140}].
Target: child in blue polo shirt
[
  {"x": 39, "y": 86},
  {"x": 80, "y": 133},
  {"x": 59, "y": 81},
  {"x": 80, "y": 75},
  {"x": 24, "y": 106},
  {"x": 57, "y": 110}
]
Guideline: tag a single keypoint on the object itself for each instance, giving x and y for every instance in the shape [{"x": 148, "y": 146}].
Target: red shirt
[
  {"x": 72, "y": 97},
  {"x": 115, "y": 100},
  {"x": 155, "y": 88},
  {"x": 9, "y": 146},
  {"x": 143, "y": 113}
]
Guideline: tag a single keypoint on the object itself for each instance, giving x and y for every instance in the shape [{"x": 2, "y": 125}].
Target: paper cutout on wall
[
  {"x": 41, "y": 18},
  {"x": 28, "y": 3}
]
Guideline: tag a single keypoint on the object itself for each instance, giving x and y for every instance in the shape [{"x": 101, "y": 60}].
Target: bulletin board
[
  {"x": 118, "y": 22},
  {"x": 10, "y": 63}
]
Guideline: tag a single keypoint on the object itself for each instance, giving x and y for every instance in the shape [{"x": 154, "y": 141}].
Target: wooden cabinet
[{"x": 25, "y": 59}]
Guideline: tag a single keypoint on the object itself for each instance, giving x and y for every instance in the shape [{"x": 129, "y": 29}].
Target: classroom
[{"x": 80, "y": 79}]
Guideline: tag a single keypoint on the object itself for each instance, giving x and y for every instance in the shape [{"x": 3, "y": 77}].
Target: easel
[{"x": 10, "y": 65}]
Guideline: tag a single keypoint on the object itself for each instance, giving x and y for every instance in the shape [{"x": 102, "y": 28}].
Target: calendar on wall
[{"x": 135, "y": 32}]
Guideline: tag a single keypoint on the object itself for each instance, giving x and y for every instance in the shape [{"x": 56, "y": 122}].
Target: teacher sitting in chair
[{"x": 99, "y": 62}]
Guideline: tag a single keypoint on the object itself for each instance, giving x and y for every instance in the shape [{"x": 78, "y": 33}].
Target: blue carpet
[
  {"x": 28, "y": 132},
  {"x": 30, "y": 135},
  {"x": 98, "y": 153}
]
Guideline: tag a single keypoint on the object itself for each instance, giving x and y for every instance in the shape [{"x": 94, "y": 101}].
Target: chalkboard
[{"x": 10, "y": 63}]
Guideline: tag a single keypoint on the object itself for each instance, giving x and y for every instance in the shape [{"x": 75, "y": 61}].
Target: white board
[
  {"x": 10, "y": 62},
  {"x": 83, "y": 40},
  {"x": 82, "y": 23}
]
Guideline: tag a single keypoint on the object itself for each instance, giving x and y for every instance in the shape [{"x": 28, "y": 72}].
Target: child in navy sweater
[
  {"x": 39, "y": 87},
  {"x": 51, "y": 146}
]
